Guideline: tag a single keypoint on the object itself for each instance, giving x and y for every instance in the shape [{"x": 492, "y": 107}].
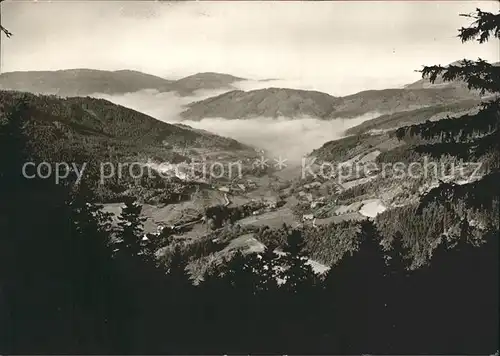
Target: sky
[{"x": 336, "y": 47}]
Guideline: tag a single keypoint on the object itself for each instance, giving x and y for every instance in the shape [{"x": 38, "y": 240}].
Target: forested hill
[
  {"x": 293, "y": 103},
  {"x": 84, "y": 129},
  {"x": 270, "y": 102},
  {"x": 389, "y": 101},
  {"x": 80, "y": 120},
  {"x": 204, "y": 81},
  {"x": 409, "y": 117}
]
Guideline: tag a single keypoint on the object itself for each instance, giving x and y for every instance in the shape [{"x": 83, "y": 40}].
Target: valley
[
  {"x": 185, "y": 203},
  {"x": 254, "y": 177}
]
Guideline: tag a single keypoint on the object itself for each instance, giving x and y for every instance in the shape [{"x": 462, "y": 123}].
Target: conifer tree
[
  {"x": 177, "y": 270},
  {"x": 354, "y": 286},
  {"x": 14, "y": 150},
  {"x": 239, "y": 273},
  {"x": 239, "y": 295},
  {"x": 266, "y": 267},
  {"x": 296, "y": 323},
  {"x": 397, "y": 292},
  {"x": 395, "y": 256},
  {"x": 297, "y": 274},
  {"x": 131, "y": 228},
  {"x": 95, "y": 283}
]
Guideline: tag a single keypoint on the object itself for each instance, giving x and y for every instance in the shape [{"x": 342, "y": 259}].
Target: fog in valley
[
  {"x": 285, "y": 137},
  {"x": 349, "y": 47},
  {"x": 281, "y": 137}
]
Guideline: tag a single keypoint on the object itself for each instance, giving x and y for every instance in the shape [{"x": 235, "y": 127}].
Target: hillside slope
[
  {"x": 389, "y": 101},
  {"x": 271, "y": 102},
  {"x": 96, "y": 131},
  {"x": 101, "y": 118},
  {"x": 292, "y": 103},
  {"x": 204, "y": 81},
  {"x": 403, "y": 118},
  {"x": 396, "y": 167}
]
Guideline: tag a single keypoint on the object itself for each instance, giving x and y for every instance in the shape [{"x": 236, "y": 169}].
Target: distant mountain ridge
[
  {"x": 83, "y": 82},
  {"x": 238, "y": 104}
]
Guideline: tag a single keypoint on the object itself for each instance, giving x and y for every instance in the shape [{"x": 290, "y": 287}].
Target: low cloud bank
[
  {"x": 164, "y": 106},
  {"x": 281, "y": 137},
  {"x": 290, "y": 139}
]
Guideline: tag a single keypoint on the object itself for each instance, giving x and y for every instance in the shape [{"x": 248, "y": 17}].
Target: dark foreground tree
[
  {"x": 355, "y": 289},
  {"x": 57, "y": 280}
]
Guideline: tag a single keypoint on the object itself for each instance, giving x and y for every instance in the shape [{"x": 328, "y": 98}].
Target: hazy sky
[{"x": 339, "y": 47}]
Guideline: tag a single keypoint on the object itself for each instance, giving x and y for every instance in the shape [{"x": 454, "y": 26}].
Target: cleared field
[
  {"x": 372, "y": 208},
  {"x": 176, "y": 213},
  {"x": 337, "y": 219},
  {"x": 273, "y": 219},
  {"x": 245, "y": 243}
]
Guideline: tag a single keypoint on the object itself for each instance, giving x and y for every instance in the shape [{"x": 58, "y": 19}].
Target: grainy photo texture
[{"x": 232, "y": 177}]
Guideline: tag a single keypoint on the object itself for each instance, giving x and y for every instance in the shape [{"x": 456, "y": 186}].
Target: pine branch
[
  {"x": 4, "y": 30},
  {"x": 479, "y": 75},
  {"x": 482, "y": 28}
]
